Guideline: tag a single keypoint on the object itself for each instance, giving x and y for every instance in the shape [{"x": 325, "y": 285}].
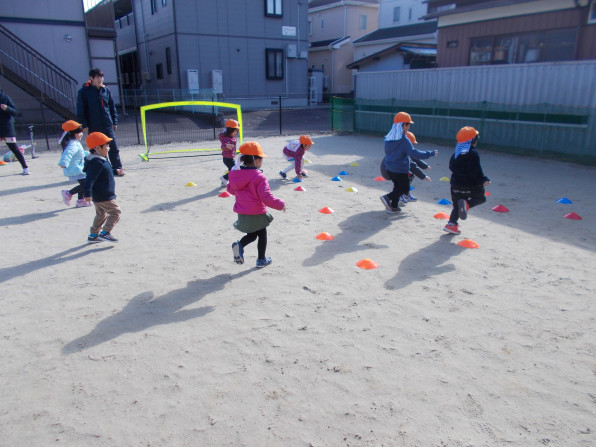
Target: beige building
[{"x": 333, "y": 26}]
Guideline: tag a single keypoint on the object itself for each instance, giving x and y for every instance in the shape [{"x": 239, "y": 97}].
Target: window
[
  {"x": 592, "y": 13},
  {"x": 274, "y": 60},
  {"x": 363, "y": 22},
  {"x": 396, "y": 11},
  {"x": 310, "y": 27},
  {"x": 273, "y": 8},
  {"x": 168, "y": 60},
  {"x": 153, "y": 6},
  {"x": 159, "y": 71},
  {"x": 164, "y": 2},
  {"x": 541, "y": 46}
]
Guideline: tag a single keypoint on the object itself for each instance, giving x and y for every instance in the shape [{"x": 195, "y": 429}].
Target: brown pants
[{"x": 107, "y": 215}]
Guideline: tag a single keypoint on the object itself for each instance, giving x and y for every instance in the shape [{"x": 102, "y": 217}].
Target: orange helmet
[
  {"x": 232, "y": 124},
  {"x": 411, "y": 137},
  {"x": 402, "y": 117},
  {"x": 466, "y": 134},
  {"x": 252, "y": 148}
]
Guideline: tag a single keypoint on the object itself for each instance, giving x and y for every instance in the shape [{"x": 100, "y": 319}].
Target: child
[
  {"x": 100, "y": 185},
  {"x": 228, "y": 147},
  {"x": 72, "y": 161},
  {"x": 253, "y": 196},
  {"x": 467, "y": 179},
  {"x": 398, "y": 151},
  {"x": 294, "y": 151},
  {"x": 416, "y": 168},
  {"x": 8, "y": 111}
]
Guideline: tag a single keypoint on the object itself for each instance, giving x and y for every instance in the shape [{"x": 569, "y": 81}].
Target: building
[
  {"x": 333, "y": 26},
  {"x": 483, "y": 32},
  {"x": 226, "y": 45}
]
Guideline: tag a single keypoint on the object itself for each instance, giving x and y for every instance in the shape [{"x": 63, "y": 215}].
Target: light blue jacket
[
  {"x": 399, "y": 152},
  {"x": 73, "y": 157}
]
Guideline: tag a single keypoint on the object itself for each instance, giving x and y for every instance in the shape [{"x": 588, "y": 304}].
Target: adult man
[{"x": 97, "y": 113}]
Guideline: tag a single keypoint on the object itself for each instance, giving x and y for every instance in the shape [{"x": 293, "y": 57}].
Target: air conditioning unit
[{"x": 292, "y": 51}]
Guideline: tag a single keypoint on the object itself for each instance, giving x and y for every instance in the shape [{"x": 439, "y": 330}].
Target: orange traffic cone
[
  {"x": 468, "y": 243},
  {"x": 324, "y": 236},
  {"x": 367, "y": 264},
  {"x": 500, "y": 209},
  {"x": 225, "y": 194},
  {"x": 326, "y": 210},
  {"x": 441, "y": 215},
  {"x": 380, "y": 179}
]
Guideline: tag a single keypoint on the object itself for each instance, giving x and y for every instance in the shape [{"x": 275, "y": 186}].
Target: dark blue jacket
[
  {"x": 466, "y": 169},
  {"x": 96, "y": 109},
  {"x": 7, "y": 116},
  {"x": 99, "y": 183},
  {"x": 398, "y": 153}
]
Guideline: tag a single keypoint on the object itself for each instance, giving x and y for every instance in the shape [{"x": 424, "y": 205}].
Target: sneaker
[
  {"x": 238, "y": 252},
  {"x": 462, "y": 208},
  {"x": 411, "y": 198},
  {"x": 385, "y": 201},
  {"x": 105, "y": 236},
  {"x": 393, "y": 210},
  {"x": 26, "y": 171},
  {"x": 263, "y": 262},
  {"x": 304, "y": 174},
  {"x": 452, "y": 228},
  {"x": 66, "y": 196},
  {"x": 82, "y": 203},
  {"x": 283, "y": 175},
  {"x": 403, "y": 200},
  {"x": 224, "y": 182},
  {"x": 93, "y": 239},
  {"x": 119, "y": 172}
]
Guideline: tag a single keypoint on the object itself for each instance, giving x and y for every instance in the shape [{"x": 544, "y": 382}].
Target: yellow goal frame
[{"x": 145, "y": 156}]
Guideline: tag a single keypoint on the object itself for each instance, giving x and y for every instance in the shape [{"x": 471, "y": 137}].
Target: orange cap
[
  {"x": 71, "y": 125},
  {"x": 402, "y": 117},
  {"x": 97, "y": 139},
  {"x": 411, "y": 137},
  {"x": 232, "y": 124},
  {"x": 305, "y": 139},
  {"x": 466, "y": 134},
  {"x": 252, "y": 148}
]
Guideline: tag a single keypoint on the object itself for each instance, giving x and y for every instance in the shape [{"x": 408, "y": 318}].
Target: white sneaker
[
  {"x": 224, "y": 182},
  {"x": 26, "y": 171}
]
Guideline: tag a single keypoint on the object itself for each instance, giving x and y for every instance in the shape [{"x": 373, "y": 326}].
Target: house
[
  {"x": 404, "y": 40},
  {"x": 333, "y": 26},
  {"x": 483, "y": 32},
  {"x": 256, "y": 48}
]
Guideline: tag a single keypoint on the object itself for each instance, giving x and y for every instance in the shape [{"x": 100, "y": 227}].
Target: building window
[
  {"x": 363, "y": 22},
  {"x": 396, "y": 14},
  {"x": 275, "y": 66},
  {"x": 273, "y": 8},
  {"x": 159, "y": 71},
  {"x": 164, "y": 2},
  {"x": 153, "y": 6},
  {"x": 310, "y": 27},
  {"x": 168, "y": 60},
  {"x": 541, "y": 46},
  {"x": 592, "y": 13}
]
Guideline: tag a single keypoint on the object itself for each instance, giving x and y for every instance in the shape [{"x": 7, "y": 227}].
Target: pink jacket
[{"x": 251, "y": 188}]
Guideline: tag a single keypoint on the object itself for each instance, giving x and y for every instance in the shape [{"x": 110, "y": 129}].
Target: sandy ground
[{"x": 162, "y": 340}]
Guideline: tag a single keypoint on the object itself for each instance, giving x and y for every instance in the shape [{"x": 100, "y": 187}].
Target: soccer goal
[{"x": 190, "y": 129}]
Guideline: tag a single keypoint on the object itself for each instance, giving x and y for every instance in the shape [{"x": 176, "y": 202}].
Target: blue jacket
[
  {"x": 398, "y": 153},
  {"x": 96, "y": 109},
  {"x": 466, "y": 169},
  {"x": 73, "y": 157},
  {"x": 99, "y": 183}
]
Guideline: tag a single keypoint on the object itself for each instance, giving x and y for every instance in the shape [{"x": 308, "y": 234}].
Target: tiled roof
[
  {"x": 400, "y": 31},
  {"x": 424, "y": 50},
  {"x": 326, "y": 43}
]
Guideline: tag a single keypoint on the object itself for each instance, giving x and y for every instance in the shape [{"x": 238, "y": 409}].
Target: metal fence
[
  {"x": 547, "y": 109},
  {"x": 262, "y": 116}
]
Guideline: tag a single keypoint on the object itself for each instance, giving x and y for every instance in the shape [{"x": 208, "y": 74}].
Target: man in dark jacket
[
  {"x": 97, "y": 113},
  {"x": 7, "y": 131}
]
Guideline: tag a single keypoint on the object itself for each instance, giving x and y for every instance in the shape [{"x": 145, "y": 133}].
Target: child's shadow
[
  {"x": 426, "y": 262},
  {"x": 355, "y": 229},
  {"x": 145, "y": 311},
  {"x": 169, "y": 206}
]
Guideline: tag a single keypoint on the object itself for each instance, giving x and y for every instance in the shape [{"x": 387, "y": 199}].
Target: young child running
[
  {"x": 417, "y": 167},
  {"x": 467, "y": 179},
  {"x": 100, "y": 185},
  {"x": 294, "y": 151},
  {"x": 398, "y": 151},
  {"x": 72, "y": 161},
  {"x": 228, "y": 142},
  {"x": 253, "y": 196}
]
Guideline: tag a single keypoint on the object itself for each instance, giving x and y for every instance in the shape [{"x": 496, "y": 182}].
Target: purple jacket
[{"x": 251, "y": 188}]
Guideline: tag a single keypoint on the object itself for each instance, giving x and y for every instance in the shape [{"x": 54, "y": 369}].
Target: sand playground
[{"x": 162, "y": 340}]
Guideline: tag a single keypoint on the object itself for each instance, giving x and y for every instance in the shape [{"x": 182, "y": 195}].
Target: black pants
[
  {"x": 17, "y": 153},
  {"x": 474, "y": 195},
  {"x": 114, "y": 155},
  {"x": 401, "y": 185},
  {"x": 261, "y": 244},
  {"x": 78, "y": 189},
  {"x": 229, "y": 162}
]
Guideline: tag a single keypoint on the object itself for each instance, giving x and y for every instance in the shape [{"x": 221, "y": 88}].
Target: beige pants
[{"x": 107, "y": 215}]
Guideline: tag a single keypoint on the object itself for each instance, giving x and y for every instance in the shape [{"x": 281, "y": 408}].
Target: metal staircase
[{"x": 36, "y": 75}]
